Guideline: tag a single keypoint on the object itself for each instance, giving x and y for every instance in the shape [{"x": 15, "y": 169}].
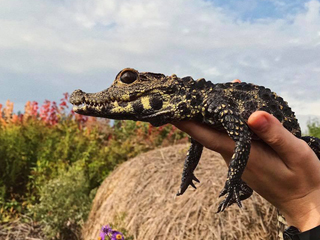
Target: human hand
[{"x": 281, "y": 168}]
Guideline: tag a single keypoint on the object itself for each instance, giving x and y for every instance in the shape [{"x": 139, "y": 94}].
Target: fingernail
[{"x": 261, "y": 123}]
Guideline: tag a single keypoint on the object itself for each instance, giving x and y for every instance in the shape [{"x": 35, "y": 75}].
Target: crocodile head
[{"x": 142, "y": 96}]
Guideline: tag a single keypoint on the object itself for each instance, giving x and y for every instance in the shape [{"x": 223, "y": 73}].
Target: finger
[
  {"x": 271, "y": 131},
  {"x": 208, "y": 137}
]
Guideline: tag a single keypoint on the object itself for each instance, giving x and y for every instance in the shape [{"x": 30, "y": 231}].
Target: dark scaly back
[{"x": 248, "y": 98}]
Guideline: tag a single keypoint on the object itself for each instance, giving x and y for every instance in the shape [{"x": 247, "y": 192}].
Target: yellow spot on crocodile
[
  {"x": 118, "y": 109},
  {"x": 125, "y": 97},
  {"x": 146, "y": 103},
  {"x": 115, "y": 104}
]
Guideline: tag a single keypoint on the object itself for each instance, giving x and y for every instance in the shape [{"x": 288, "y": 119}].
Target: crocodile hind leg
[
  {"x": 314, "y": 144},
  {"x": 190, "y": 165},
  {"x": 235, "y": 189}
]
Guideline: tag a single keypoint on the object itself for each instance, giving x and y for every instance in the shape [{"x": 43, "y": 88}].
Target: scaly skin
[{"x": 160, "y": 99}]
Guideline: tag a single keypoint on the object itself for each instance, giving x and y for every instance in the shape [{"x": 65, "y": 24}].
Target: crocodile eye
[{"x": 128, "y": 77}]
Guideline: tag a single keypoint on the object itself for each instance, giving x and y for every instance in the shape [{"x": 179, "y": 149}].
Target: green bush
[
  {"x": 19, "y": 146},
  {"x": 65, "y": 202},
  {"x": 33, "y": 153},
  {"x": 314, "y": 128}
]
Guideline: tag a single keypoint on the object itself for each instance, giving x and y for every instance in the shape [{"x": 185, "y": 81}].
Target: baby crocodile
[{"x": 160, "y": 99}]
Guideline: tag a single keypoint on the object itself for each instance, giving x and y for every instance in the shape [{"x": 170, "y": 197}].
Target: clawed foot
[
  {"x": 186, "y": 182},
  {"x": 236, "y": 192}
]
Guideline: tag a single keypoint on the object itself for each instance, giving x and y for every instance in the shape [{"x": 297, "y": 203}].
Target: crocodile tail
[
  {"x": 281, "y": 225},
  {"x": 314, "y": 144}
]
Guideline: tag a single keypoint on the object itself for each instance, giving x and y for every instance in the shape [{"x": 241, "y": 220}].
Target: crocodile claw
[
  {"x": 186, "y": 182},
  {"x": 236, "y": 192},
  {"x": 232, "y": 197}
]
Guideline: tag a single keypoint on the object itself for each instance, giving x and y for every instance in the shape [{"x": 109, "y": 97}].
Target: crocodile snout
[{"x": 77, "y": 97}]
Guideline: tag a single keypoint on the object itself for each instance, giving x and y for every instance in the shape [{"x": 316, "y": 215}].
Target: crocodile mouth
[
  {"x": 83, "y": 102},
  {"x": 85, "y": 106}
]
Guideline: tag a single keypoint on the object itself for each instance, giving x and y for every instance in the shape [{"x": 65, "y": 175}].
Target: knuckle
[{"x": 277, "y": 140}]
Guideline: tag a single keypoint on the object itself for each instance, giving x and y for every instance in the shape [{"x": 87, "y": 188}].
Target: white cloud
[{"x": 80, "y": 44}]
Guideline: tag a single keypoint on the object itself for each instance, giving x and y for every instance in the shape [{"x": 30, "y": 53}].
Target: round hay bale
[{"x": 142, "y": 193}]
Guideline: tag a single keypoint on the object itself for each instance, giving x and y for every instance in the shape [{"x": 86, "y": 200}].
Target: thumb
[{"x": 270, "y": 130}]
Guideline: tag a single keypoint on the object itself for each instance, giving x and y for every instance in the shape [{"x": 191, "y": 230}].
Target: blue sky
[
  {"x": 251, "y": 10},
  {"x": 50, "y": 47}
]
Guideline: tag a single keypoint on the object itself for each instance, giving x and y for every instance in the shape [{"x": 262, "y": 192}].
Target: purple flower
[
  {"x": 105, "y": 232},
  {"x": 108, "y": 234},
  {"x": 116, "y": 235},
  {"x": 106, "y": 229},
  {"x": 102, "y": 236}
]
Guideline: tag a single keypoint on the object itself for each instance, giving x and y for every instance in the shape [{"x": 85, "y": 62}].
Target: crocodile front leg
[
  {"x": 190, "y": 165},
  {"x": 235, "y": 189}
]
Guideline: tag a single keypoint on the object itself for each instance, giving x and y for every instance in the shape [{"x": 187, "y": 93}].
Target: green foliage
[
  {"x": 18, "y": 154},
  {"x": 33, "y": 153},
  {"x": 64, "y": 204},
  {"x": 65, "y": 145},
  {"x": 314, "y": 128}
]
